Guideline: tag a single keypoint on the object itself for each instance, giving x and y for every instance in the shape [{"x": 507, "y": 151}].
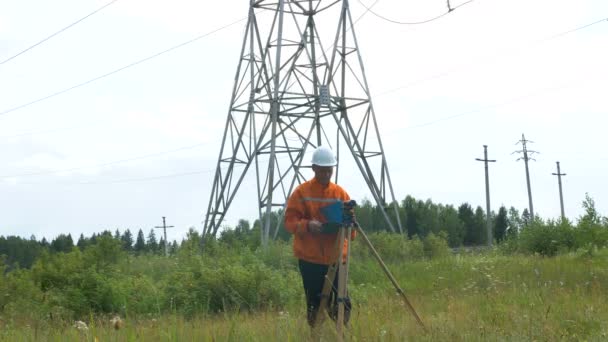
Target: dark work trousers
[{"x": 313, "y": 277}]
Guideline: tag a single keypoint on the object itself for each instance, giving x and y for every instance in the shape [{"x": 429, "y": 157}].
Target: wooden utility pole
[
  {"x": 164, "y": 227},
  {"x": 561, "y": 196},
  {"x": 527, "y": 153},
  {"x": 488, "y": 221}
]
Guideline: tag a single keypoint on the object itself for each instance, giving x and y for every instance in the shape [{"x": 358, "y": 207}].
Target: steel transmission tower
[
  {"x": 527, "y": 153},
  {"x": 299, "y": 84}
]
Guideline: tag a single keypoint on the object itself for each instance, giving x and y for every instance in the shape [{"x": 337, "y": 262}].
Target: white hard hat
[{"x": 324, "y": 156}]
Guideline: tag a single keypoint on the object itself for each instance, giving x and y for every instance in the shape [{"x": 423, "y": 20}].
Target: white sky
[{"x": 500, "y": 77}]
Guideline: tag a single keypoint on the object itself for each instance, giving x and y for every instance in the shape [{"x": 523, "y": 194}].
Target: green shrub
[
  {"x": 436, "y": 246},
  {"x": 591, "y": 233},
  {"x": 390, "y": 246},
  {"x": 539, "y": 238}
]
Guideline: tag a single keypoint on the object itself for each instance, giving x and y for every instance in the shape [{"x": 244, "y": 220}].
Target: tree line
[
  {"x": 21, "y": 253},
  {"x": 459, "y": 226}
]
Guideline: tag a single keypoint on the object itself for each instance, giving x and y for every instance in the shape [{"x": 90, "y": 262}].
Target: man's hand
[{"x": 315, "y": 226}]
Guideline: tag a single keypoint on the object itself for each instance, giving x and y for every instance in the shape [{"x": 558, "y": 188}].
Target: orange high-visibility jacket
[{"x": 304, "y": 205}]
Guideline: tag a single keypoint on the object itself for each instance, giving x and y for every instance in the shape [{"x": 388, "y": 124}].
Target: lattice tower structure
[{"x": 299, "y": 84}]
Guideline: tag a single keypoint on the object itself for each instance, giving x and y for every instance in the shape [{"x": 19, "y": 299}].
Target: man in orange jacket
[{"x": 314, "y": 249}]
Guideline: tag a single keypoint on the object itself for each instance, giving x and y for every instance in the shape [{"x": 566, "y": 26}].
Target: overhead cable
[
  {"x": 58, "y": 32},
  {"x": 140, "y": 179},
  {"x": 155, "y": 154},
  {"x": 143, "y": 179},
  {"x": 447, "y": 72},
  {"x": 534, "y": 93},
  {"x": 121, "y": 68},
  {"x": 450, "y": 9}
]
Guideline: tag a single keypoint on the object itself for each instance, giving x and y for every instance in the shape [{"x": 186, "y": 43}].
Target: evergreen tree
[
  {"x": 117, "y": 234},
  {"x": 428, "y": 218},
  {"x": 243, "y": 226},
  {"x": 152, "y": 244},
  {"x": 451, "y": 223},
  {"x": 140, "y": 243},
  {"x": 515, "y": 222},
  {"x": 467, "y": 217},
  {"x": 193, "y": 241},
  {"x": 106, "y": 233},
  {"x": 82, "y": 242},
  {"x": 62, "y": 243},
  {"x": 161, "y": 246},
  {"x": 480, "y": 227},
  {"x": 501, "y": 224},
  {"x": 525, "y": 217},
  {"x": 18, "y": 252},
  {"x": 363, "y": 213},
  {"x": 411, "y": 216},
  {"x": 93, "y": 239},
  {"x": 127, "y": 240}
]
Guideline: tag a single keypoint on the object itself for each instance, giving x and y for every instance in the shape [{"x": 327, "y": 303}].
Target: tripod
[{"x": 340, "y": 266}]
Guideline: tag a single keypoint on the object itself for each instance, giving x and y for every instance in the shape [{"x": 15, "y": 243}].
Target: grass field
[{"x": 460, "y": 298}]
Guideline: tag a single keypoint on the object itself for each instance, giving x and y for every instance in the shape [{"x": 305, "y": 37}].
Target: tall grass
[{"x": 486, "y": 297}]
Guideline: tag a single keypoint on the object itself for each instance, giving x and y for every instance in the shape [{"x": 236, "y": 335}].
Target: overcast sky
[{"x": 142, "y": 143}]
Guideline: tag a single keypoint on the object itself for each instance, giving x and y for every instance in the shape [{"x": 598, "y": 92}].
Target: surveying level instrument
[{"x": 340, "y": 220}]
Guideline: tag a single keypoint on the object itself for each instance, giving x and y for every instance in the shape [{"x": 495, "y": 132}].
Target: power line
[
  {"x": 364, "y": 13},
  {"x": 450, "y": 9},
  {"x": 106, "y": 164},
  {"x": 368, "y": 9},
  {"x": 575, "y": 29},
  {"x": 447, "y": 72},
  {"x": 131, "y": 180},
  {"x": 58, "y": 32},
  {"x": 48, "y": 131},
  {"x": 500, "y": 104},
  {"x": 142, "y": 179},
  {"x": 121, "y": 68}
]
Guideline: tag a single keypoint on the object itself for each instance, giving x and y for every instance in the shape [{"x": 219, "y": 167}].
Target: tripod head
[
  {"x": 348, "y": 213},
  {"x": 338, "y": 214}
]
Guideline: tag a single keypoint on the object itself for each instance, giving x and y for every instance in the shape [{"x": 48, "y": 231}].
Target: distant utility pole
[
  {"x": 164, "y": 227},
  {"x": 561, "y": 196},
  {"x": 488, "y": 223},
  {"x": 527, "y": 153}
]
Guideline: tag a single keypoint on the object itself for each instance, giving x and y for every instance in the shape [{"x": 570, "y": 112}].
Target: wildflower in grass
[
  {"x": 116, "y": 322},
  {"x": 80, "y": 325}
]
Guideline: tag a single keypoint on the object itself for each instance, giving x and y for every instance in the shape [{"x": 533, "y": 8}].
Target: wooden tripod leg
[
  {"x": 341, "y": 291},
  {"x": 391, "y": 278},
  {"x": 327, "y": 285},
  {"x": 342, "y": 285},
  {"x": 331, "y": 273}
]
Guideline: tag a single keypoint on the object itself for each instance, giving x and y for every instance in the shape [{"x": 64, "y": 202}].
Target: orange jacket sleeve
[{"x": 295, "y": 221}]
